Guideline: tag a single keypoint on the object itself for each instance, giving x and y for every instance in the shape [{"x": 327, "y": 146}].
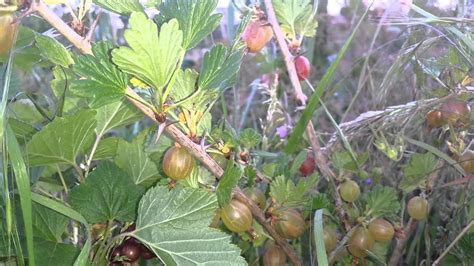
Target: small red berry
[
  {"x": 257, "y": 34},
  {"x": 308, "y": 166},
  {"x": 303, "y": 67},
  {"x": 146, "y": 253}
]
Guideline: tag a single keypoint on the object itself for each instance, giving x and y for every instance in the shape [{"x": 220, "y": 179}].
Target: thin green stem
[
  {"x": 61, "y": 177},
  {"x": 142, "y": 101},
  {"x": 170, "y": 84}
]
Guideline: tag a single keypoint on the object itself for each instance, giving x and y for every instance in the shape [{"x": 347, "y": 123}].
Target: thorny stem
[
  {"x": 290, "y": 65},
  {"x": 318, "y": 156},
  {"x": 85, "y": 47}
]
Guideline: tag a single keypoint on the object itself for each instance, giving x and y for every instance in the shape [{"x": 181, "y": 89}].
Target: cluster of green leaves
[
  {"x": 90, "y": 92},
  {"x": 417, "y": 171},
  {"x": 381, "y": 201},
  {"x": 288, "y": 194}
]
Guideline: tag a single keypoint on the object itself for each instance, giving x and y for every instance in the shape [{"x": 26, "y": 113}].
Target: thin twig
[
  {"x": 401, "y": 243},
  {"x": 80, "y": 43}
]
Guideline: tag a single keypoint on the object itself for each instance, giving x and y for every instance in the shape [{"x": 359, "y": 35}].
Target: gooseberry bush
[{"x": 120, "y": 146}]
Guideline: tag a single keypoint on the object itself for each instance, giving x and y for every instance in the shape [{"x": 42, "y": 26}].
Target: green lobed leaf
[
  {"x": 54, "y": 253},
  {"x": 228, "y": 182},
  {"x": 100, "y": 79},
  {"x": 382, "y": 201},
  {"x": 63, "y": 139},
  {"x": 60, "y": 85},
  {"x": 296, "y": 17},
  {"x": 420, "y": 166},
  {"x": 25, "y": 111},
  {"x": 23, "y": 131},
  {"x": 287, "y": 194},
  {"x": 250, "y": 138},
  {"x": 116, "y": 115},
  {"x": 220, "y": 68},
  {"x": 205, "y": 123},
  {"x": 82, "y": 258},
  {"x": 436, "y": 152},
  {"x": 120, "y": 6},
  {"x": 184, "y": 86},
  {"x": 112, "y": 192},
  {"x": 107, "y": 149},
  {"x": 174, "y": 224},
  {"x": 195, "y": 19},
  {"x": 240, "y": 29},
  {"x": 300, "y": 127},
  {"x": 133, "y": 159},
  {"x": 54, "y": 51},
  {"x": 152, "y": 3},
  {"x": 48, "y": 224},
  {"x": 251, "y": 174},
  {"x": 151, "y": 57},
  {"x": 466, "y": 244},
  {"x": 343, "y": 160},
  {"x": 321, "y": 201}
]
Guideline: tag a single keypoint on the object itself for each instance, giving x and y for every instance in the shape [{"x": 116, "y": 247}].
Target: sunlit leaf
[
  {"x": 220, "y": 68},
  {"x": 196, "y": 18},
  {"x": 133, "y": 159},
  {"x": 63, "y": 139},
  {"x": 120, "y": 6},
  {"x": 250, "y": 138},
  {"x": 174, "y": 224},
  {"x": 54, "y": 51},
  {"x": 100, "y": 79},
  {"x": 381, "y": 201},
  {"x": 417, "y": 170},
  {"x": 150, "y": 57},
  {"x": 227, "y": 183},
  {"x": 287, "y": 194},
  {"x": 112, "y": 192}
]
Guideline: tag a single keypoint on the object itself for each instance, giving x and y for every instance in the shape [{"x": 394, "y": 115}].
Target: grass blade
[
  {"x": 468, "y": 42},
  {"x": 82, "y": 259},
  {"x": 346, "y": 143},
  {"x": 319, "y": 238},
  {"x": 57, "y": 206},
  {"x": 297, "y": 133},
  {"x": 438, "y": 153},
  {"x": 24, "y": 190}
]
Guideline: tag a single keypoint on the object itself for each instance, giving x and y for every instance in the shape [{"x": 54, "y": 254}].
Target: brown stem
[
  {"x": 260, "y": 217},
  {"x": 401, "y": 243},
  {"x": 290, "y": 65},
  {"x": 85, "y": 47},
  {"x": 318, "y": 156},
  {"x": 80, "y": 43}
]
